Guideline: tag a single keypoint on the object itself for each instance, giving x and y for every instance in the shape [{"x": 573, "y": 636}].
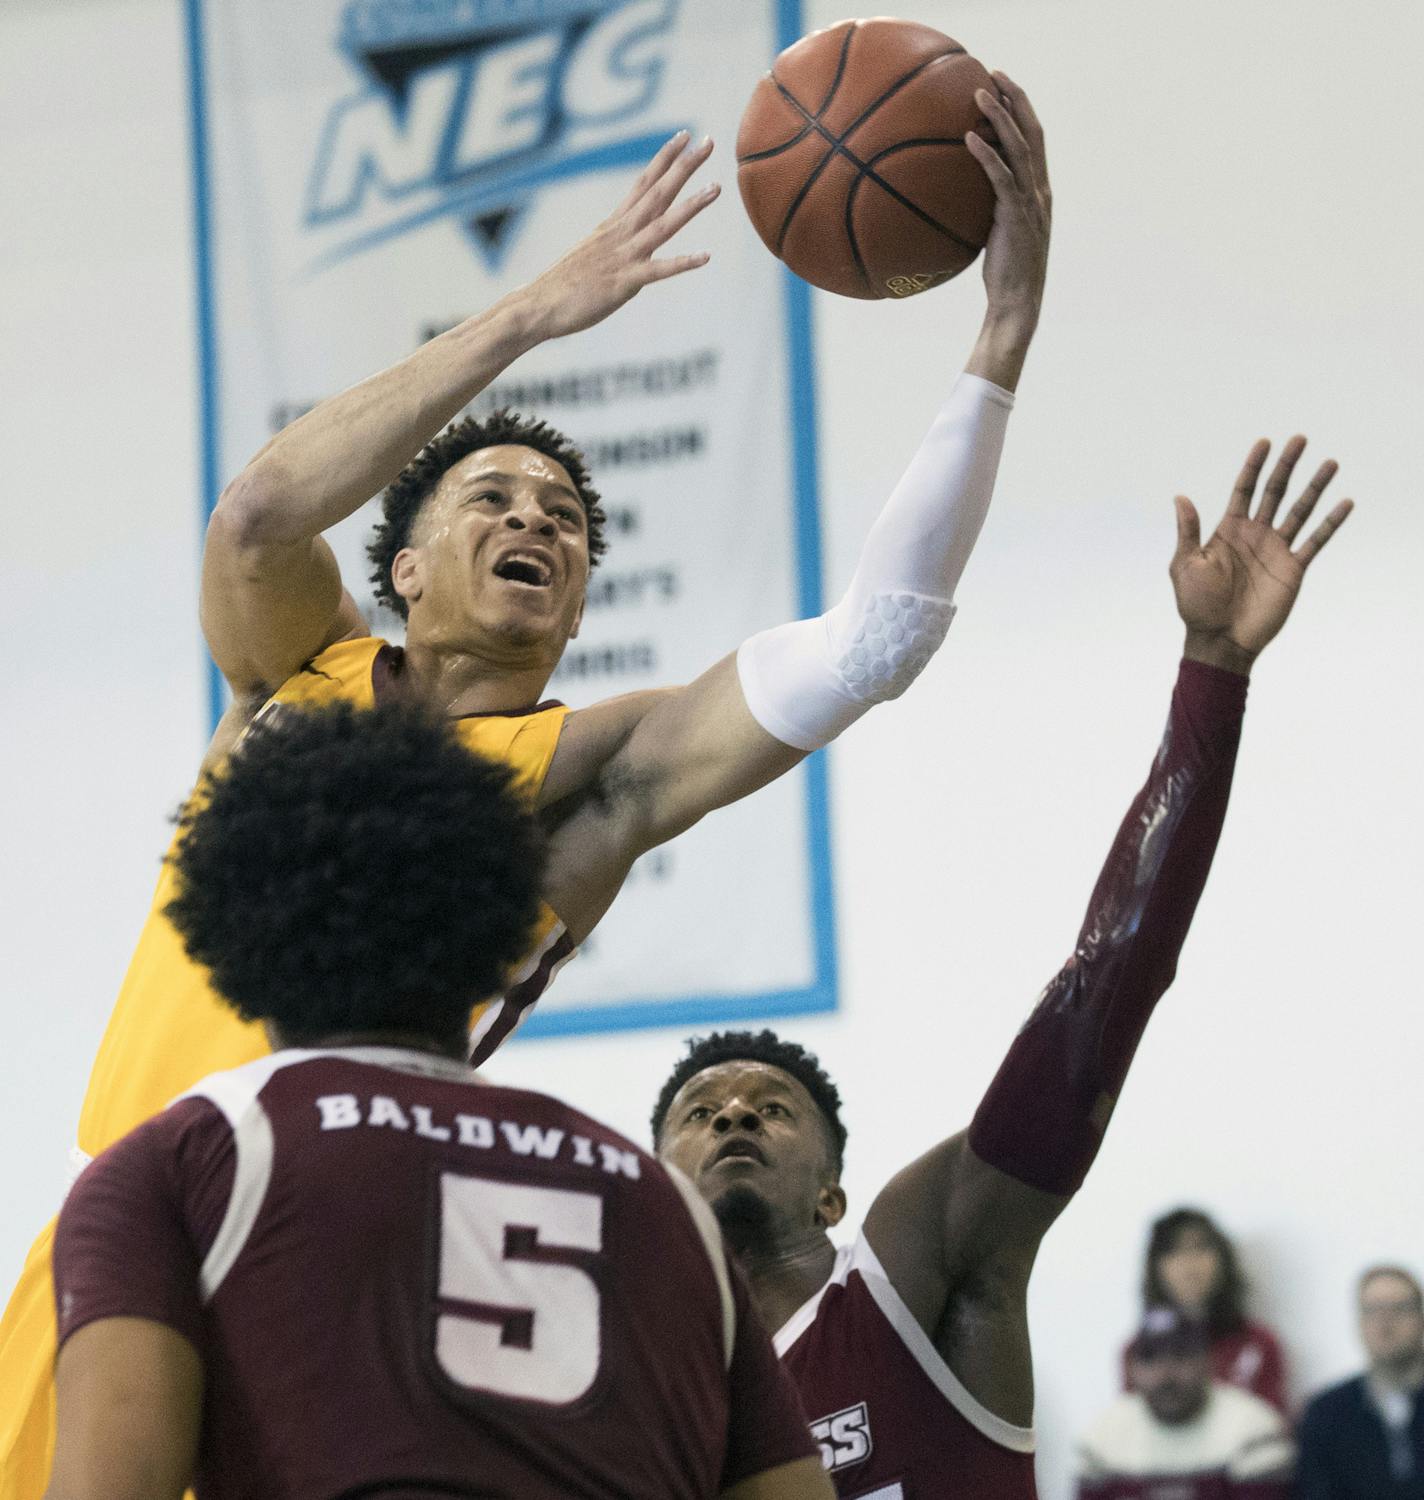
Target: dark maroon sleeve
[
  {"x": 767, "y": 1426},
  {"x": 136, "y": 1225},
  {"x": 1045, "y": 1113}
]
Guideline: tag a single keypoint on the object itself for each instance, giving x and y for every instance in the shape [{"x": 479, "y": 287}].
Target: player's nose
[
  {"x": 530, "y": 516},
  {"x": 736, "y": 1116}
]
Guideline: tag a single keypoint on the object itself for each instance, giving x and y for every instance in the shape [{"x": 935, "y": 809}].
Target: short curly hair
[
  {"x": 759, "y": 1046},
  {"x": 409, "y": 490},
  {"x": 356, "y": 870}
]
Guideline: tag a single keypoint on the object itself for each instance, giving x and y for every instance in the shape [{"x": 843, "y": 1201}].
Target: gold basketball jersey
[{"x": 168, "y": 1030}]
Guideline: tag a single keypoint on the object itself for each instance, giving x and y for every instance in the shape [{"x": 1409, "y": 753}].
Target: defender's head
[
  {"x": 355, "y": 872},
  {"x": 488, "y": 538},
  {"x": 755, "y": 1123}
]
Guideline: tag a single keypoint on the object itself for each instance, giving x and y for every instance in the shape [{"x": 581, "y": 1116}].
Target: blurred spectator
[
  {"x": 1193, "y": 1267},
  {"x": 1179, "y": 1434},
  {"x": 1364, "y": 1439}
]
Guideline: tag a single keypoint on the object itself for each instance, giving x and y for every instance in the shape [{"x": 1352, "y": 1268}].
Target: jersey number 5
[{"x": 528, "y": 1327}]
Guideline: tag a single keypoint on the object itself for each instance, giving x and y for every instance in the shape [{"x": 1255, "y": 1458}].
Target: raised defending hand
[
  {"x": 1235, "y": 593},
  {"x": 1016, "y": 256},
  {"x": 616, "y": 261}
]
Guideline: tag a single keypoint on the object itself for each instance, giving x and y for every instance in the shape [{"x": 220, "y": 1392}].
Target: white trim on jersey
[
  {"x": 526, "y": 971},
  {"x": 711, "y": 1233},
  {"x": 235, "y": 1094},
  {"x": 860, "y": 1257}
]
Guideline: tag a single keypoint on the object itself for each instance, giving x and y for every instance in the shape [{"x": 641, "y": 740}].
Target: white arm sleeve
[{"x": 806, "y": 682}]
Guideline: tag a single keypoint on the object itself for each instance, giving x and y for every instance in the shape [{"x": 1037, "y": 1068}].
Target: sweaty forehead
[
  {"x": 743, "y": 1078},
  {"x": 512, "y": 461}
]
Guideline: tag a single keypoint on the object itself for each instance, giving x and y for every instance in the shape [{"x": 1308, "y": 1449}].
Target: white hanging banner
[{"x": 369, "y": 172}]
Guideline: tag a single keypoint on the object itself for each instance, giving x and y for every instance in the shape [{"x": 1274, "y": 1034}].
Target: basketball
[{"x": 852, "y": 164}]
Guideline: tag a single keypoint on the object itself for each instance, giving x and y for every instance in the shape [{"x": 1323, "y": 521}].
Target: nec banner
[{"x": 369, "y": 173}]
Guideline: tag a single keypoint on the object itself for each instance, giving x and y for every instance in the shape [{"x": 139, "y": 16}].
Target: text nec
[{"x": 509, "y": 97}]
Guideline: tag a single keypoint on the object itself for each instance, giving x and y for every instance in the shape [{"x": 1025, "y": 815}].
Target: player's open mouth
[
  {"x": 743, "y": 1147},
  {"x": 526, "y": 568}
]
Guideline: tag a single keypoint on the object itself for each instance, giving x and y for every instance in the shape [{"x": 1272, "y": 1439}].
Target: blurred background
[{"x": 1236, "y": 251}]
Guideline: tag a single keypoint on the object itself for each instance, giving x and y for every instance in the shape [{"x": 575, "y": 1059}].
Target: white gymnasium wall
[{"x": 1236, "y": 253}]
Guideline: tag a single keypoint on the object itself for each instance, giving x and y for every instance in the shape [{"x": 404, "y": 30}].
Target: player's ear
[
  {"x": 578, "y": 618},
  {"x": 406, "y": 574},
  {"x": 830, "y": 1205}
]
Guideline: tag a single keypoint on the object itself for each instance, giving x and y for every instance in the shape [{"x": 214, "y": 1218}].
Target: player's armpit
[
  {"x": 268, "y": 608},
  {"x": 695, "y": 749},
  {"x": 803, "y": 1479},
  {"x": 640, "y": 771},
  {"x": 130, "y": 1395},
  {"x": 589, "y": 739},
  {"x": 957, "y": 1240}
]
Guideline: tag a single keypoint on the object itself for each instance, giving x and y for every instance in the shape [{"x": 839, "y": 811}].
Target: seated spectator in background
[
  {"x": 1179, "y": 1434},
  {"x": 1193, "y": 1267},
  {"x": 1364, "y": 1439}
]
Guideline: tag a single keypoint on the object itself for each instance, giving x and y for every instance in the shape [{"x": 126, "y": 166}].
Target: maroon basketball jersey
[
  {"x": 892, "y": 1420},
  {"x": 405, "y": 1282}
]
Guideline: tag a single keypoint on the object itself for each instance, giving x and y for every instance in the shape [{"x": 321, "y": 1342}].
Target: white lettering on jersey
[
  {"x": 527, "y": 1140},
  {"x": 338, "y": 1111},
  {"x": 616, "y": 1161},
  {"x": 519, "y": 1137},
  {"x": 475, "y": 1130},
  {"x": 844, "y": 1437},
  {"x": 423, "y": 1125},
  {"x": 385, "y": 1111}
]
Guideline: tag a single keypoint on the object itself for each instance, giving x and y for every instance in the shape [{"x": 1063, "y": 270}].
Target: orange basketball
[{"x": 852, "y": 163}]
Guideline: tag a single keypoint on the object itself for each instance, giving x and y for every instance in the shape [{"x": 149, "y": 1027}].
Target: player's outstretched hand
[
  {"x": 619, "y": 259},
  {"x": 1016, "y": 256},
  {"x": 1235, "y": 593}
]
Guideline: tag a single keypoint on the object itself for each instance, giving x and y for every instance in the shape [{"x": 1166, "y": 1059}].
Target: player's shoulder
[{"x": 343, "y": 670}]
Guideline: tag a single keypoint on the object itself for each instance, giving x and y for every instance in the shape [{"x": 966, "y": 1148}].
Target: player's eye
[
  {"x": 773, "y": 1108},
  {"x": 698, "y": 1112},
  {"x": 567, "y": 513},
  {"x": 487, "y": 495}
]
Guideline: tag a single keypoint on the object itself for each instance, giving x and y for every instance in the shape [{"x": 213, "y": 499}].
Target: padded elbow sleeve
[{"x": 806, "y": 682}]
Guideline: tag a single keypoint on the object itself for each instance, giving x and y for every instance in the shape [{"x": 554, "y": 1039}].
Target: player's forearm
[
  {"x": 1044, "y": 1115},
  {"x": 330, "y": 461},
  {"x": 806, "y": 682}
]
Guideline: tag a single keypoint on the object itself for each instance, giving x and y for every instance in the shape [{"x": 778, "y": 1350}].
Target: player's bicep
[
  {"x": 802, "y": 1479},
  {"x": 267, "y": 609},
  {"x": 129, "y": 1395},
  {"x": 697, "y": 748}
]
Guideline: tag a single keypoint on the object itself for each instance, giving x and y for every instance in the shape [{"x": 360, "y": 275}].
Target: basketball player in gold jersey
[{"x": 486, "y": 548}]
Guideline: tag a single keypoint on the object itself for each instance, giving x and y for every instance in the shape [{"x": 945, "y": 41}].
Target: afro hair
[
  {"x": 356, "y": 870},
  {"x": 760, "y": 1046},
  {"x": 409, "y": 490}
]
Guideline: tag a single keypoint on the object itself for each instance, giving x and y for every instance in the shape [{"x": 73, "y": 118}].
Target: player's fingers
[
  {"x": 662, "y": 229},
  {"x": 1274, "y": 492},
  {"x": 1240, "y": 503},
  {"x": 1023, "y": 110},
  {"x": 1188, "y": 527},
  {"x": 664, "y": 191},
  {"x": 1322, "y": 533},
  {"x": 1001, "y": 179},
  {"x": 667, "y": 153},
  {"x": 1012, "y": 145},
  {"x": 673, "y": 265},
  {"x": 1299, "y": 513}
]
